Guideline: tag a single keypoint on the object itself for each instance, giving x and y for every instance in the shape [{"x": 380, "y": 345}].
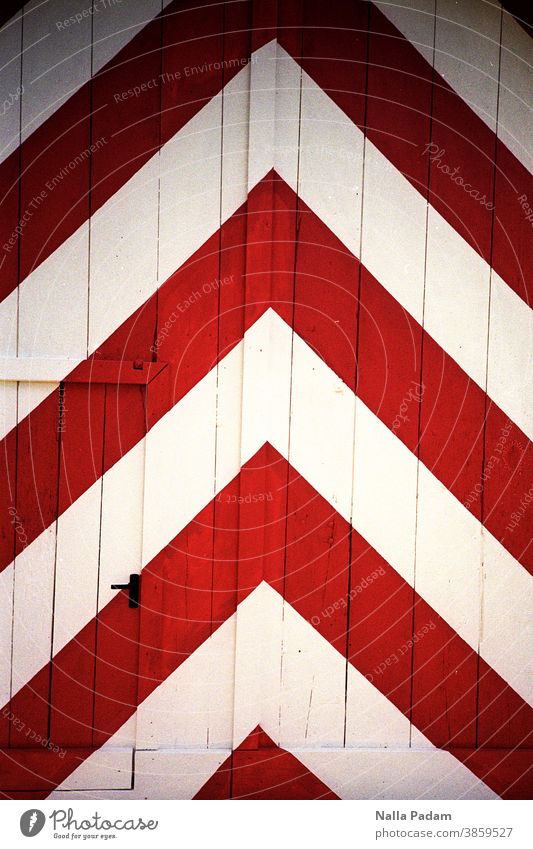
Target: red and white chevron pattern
[{"x": 263, "y": 347}]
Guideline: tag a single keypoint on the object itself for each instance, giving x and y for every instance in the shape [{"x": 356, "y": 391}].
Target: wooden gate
[{"x": 266, "y": 374}]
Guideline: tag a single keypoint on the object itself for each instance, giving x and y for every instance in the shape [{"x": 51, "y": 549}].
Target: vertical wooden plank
[
  {"x": 77, "y": 562},
  {"x": 254, "y": 533}
]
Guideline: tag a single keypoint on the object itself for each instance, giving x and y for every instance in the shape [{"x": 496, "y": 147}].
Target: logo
[{"x": 32, "y": 822}]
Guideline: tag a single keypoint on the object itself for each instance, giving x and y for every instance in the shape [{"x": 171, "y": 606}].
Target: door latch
[{"x": 134, "y": 590}]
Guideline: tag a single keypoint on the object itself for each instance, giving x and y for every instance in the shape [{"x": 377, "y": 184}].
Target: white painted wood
[
  {"x": 6, "y": 633},
  {"x": 190, "y": 188},
  {"x": 457, "y": 299},
  {"x": 235, "y": 111},
  {"x": 180, "y": 448},
  {"x": 262, "y": 114},
  {"x": 506, "y": 627},
  {"x": 257, "y": 663},
  {"x": 448, "y": 556},
  {"x": 321, "y": 426},
  {"x": 57, "y": 61},
  {"x": 9, "y": 325},
  {"x": 193, "y": 707},
  {"x": 510, "y": 356},
  {"x": 48, "y": 32},
  {"x": 384, "y": 510},
  {"x": 30, "y": 396},
  {"x": 310, "y": 709},
  {"x": 160, "y": 775},
  {"x": 415, "y": 19}
]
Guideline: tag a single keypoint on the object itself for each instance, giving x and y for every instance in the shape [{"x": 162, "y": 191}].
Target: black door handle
[{"x": 134, "y": 590}]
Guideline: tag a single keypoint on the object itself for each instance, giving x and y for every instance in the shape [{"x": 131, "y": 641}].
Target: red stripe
[
  {"x": 452, "y": 407},
  {"x": 399, "y": 96},
  {"x": 372, "y": 619}
]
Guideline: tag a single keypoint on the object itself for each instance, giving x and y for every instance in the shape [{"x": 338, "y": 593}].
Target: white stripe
[
  {"x": 467, "y": 57},
  {"x": 179, "y": 483},
  {"x": 10, "y": 85},
  {"x": 305, "y": 717},
  {"x": 514, "y": 116},
  {"x": 394, "y": 239}
]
